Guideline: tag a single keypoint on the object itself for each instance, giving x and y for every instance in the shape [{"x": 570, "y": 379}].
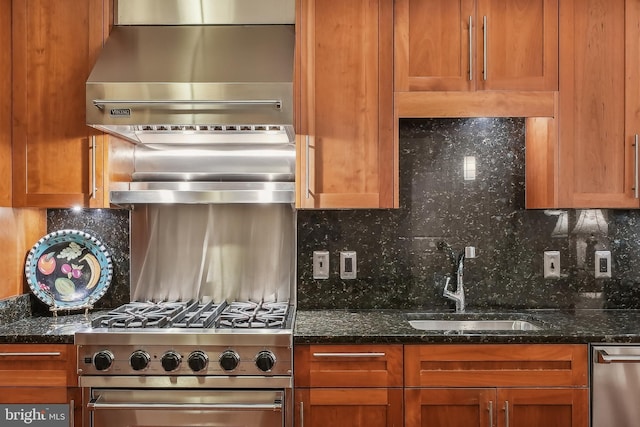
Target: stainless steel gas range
[{"x": 187, "y": 364}]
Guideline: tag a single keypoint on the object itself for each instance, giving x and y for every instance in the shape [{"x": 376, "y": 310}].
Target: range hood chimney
[{"x": 203, "y": 89}]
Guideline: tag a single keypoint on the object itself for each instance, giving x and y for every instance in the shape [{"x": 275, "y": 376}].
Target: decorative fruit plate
[{"x": 68, "y": 270}]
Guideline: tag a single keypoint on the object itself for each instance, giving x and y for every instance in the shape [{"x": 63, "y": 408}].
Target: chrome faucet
[{"x": 458, "y": 295}]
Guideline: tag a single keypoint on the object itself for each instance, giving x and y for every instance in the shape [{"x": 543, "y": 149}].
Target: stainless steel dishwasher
[{"x": 615, "y": 385}]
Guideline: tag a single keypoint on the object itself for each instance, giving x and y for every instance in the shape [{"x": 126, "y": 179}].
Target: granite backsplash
[{"x": 461, "y": 182}]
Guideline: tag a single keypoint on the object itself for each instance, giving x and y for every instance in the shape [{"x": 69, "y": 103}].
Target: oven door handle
[{"x": 94, "y": 405}]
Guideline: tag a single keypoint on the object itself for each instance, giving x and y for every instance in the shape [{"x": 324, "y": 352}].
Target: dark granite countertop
[
  {"x": 43, "y": 330},
  {"x": 392, "y": 327},
  {"x": 386, "y": 327}
]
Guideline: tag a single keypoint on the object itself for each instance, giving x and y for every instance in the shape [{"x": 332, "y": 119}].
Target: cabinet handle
[
  {"x": 349, "y": 354},
  {"x": 506, "y": 413},
  {"x": 34, "y": 354},
  {"x": 484, "y": 47},
  {"x": 602, "y": 357},
  {"x": 491, "y": 413},
  {"x": 636, "y": 190},
  {"x": 308, "y": 191},
  {"x": 72, "y": 421},
  {"x": 470, "y": 48},
  {"x": 301, "y": 414},
  {"x": 93, "y": 166}
]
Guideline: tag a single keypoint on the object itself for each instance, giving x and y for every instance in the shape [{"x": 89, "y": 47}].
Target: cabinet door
[
  {"x": 543, "y": 407},
  {"x": 38, "y": 365},
  {"x": 345, "y": 106},
  {"x": 348, "y": 366},
  {"x": 433, "y": 45},
  {"x": 5, "y": 103},
  {"x": 518, "y": 47},
  {"x": 596, "y": 155},
  {"x": 55, "y": 43},
  {"x": 364, "y": 407},
  {"x": 450, "y": 407}
]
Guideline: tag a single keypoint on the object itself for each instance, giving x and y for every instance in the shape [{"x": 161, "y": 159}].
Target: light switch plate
[
  {"x": 348, "y": 265},
  {"x": 320, "y": 264},
  {"x": 602, "y": 264},
  {"x": 551, "y": 264}
]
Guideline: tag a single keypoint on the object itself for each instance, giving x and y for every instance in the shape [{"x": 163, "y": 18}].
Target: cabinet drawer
[
  {"x": 37, "y": 365},
  {"x": 495, "y": 365},
  {"x": 348, "y": 366}
]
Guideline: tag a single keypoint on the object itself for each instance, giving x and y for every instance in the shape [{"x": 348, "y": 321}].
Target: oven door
[{"x": 182, "y": 407}]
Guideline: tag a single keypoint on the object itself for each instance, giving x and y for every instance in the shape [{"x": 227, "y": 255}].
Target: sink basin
[
  {"x": 473, "y": 322},
  {"x": 473, "y": 325}
]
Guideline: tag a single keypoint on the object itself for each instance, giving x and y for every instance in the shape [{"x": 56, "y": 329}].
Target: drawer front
[
  {"x": 495, "y": 365},
  {"x": 37, "y": 365},
  {"x": 348, "y": 366}
]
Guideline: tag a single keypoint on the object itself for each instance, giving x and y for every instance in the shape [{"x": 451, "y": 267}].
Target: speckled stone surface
[
  {"x": 14, "y": 309},
  {"x": 387, "y": 327},
  {"x": 392, "y": 327},
  {"x": 44, "y": 329},
  {"x": 400, "y": 267}
]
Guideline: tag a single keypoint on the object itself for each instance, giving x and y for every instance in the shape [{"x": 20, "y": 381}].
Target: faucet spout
[{"x": 458, "y": 295}]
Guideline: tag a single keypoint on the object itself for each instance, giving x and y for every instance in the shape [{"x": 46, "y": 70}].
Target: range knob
[
  {"x": 265, "y": 360},
  {"x": 139, "y": 360},
  {"x": 171, "y": 361},
  {"x": 103, "y": 360},
  {"x": 229, "y": 360},
  {"x": 198, "y": 360}
]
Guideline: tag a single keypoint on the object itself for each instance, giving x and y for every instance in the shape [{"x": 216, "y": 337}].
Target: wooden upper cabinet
[
  {"x": 5, "y": 103},
  {"x": 462, "y": 45},
  {"x": 56, "y": 159},
  {"x": 599, "y": 103},
  {"x": 344, "y": 104}
]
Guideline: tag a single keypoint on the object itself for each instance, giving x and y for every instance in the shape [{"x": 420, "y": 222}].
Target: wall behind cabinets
[{"x": 399, "y": 265}]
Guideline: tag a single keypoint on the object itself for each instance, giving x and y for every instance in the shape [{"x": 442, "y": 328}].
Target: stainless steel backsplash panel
[{"x": 218, "y": 252}]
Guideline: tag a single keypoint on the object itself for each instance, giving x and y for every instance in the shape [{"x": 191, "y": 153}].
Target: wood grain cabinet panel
[
  {"x": 55, "y": 155},
  {"x": 599, "y": 103},
  {"x": 344, "y": 104},
  {"x": 496, "y": 385},
  {"x": 40, "y": 374},
  {"x": 462, "y": 45},
  {"x": 354, "y": 385},
  {"x": 5, "y": 103}
]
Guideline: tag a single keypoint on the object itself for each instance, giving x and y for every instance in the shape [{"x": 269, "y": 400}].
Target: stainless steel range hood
[{"x": 204, "y": 91}]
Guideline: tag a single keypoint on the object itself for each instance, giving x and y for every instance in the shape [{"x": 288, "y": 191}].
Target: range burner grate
[
  {"x": 195, "y": 315},
  {"x": 254, "y": 315}
]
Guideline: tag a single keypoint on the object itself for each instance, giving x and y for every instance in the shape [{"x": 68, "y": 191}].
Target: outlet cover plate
[
  {"x": 602, "y": 264},
  {"x": 348, "y": 265}
]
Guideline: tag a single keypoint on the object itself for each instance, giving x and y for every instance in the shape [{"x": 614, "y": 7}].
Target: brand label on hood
[{"x": 120, "y": 112}]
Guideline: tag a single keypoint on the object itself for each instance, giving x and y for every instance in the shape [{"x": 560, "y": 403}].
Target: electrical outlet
[
  {"x": 320, "y": 264},
  {"x": 552, "y": 264},
  {"x": 602, "y": 264},
  {"x": 348, "y": 267}
]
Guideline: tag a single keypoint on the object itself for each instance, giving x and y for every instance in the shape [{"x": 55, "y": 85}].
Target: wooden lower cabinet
[
  {"x": 348, "y": 385},
  {"x": 40, "y": 374},
  {"x": 368, "y": 407},
  {"x": 487, "y": 385},
  {"x": 441, "y": 385},
  {"x": 502, "y": 407}
]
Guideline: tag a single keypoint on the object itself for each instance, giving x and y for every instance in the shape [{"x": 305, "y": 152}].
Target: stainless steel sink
[
  {"x": 473, "y": 322},
  {"x": 473, "y": 325}
]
